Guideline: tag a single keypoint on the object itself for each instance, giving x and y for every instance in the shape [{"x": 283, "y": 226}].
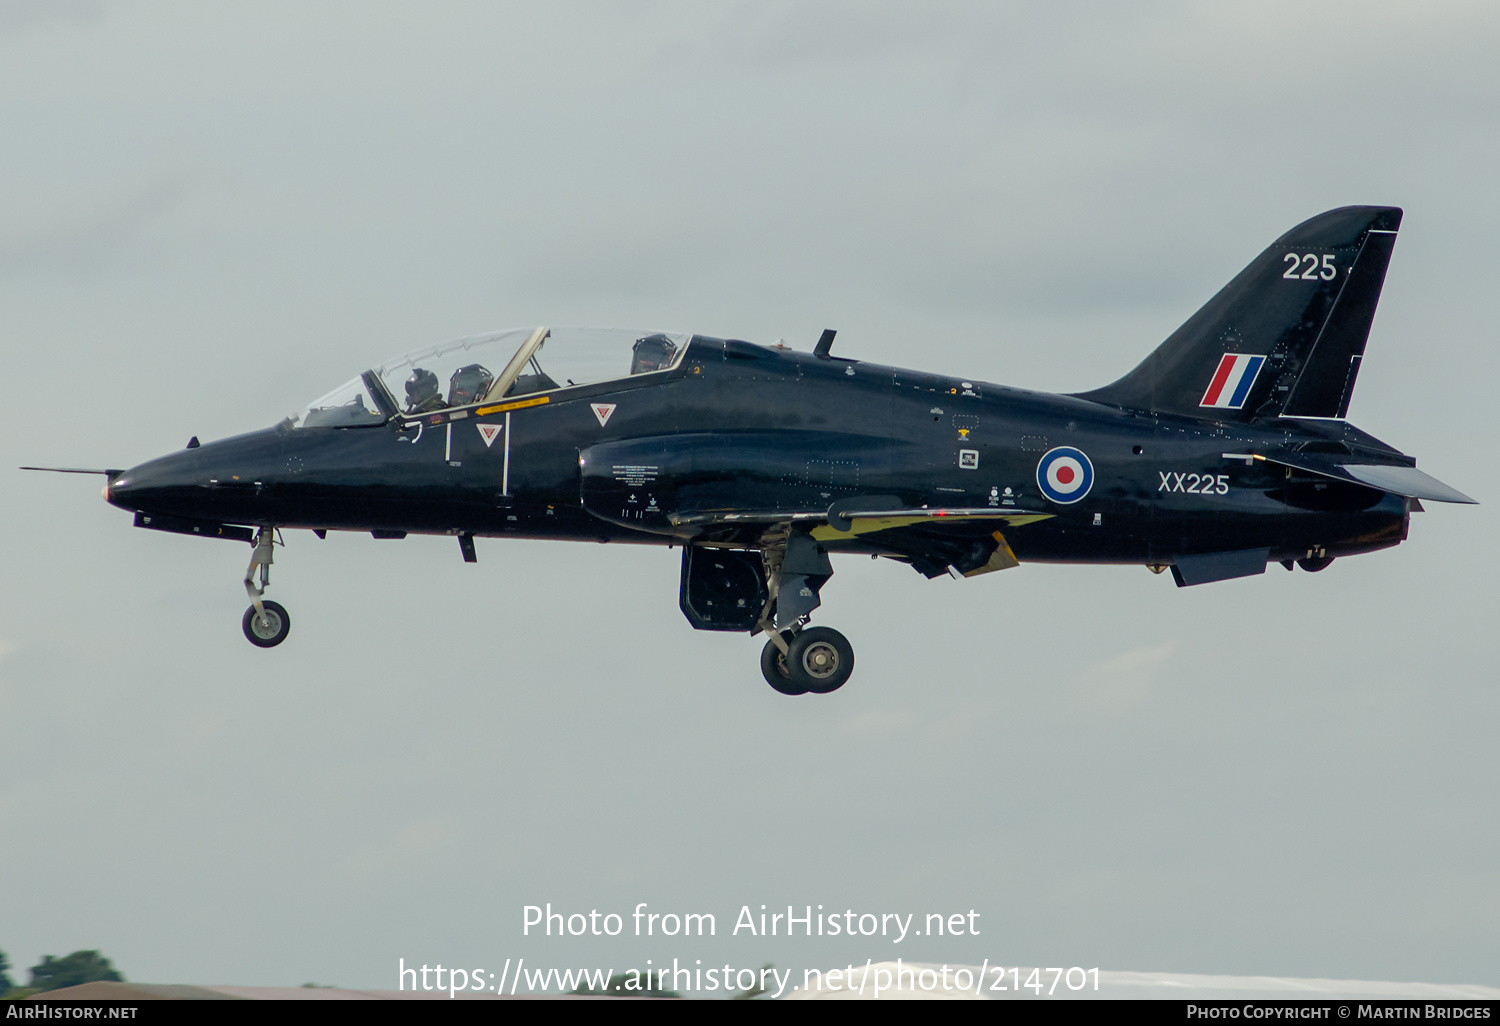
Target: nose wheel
[
  {"x": 817, "y": 660},
  {"x": 265, "y": 623},
  {"x": 268, "y": 626}
]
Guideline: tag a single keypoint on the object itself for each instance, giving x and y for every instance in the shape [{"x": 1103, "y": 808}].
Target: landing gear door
[{"x": 722, "y": 589}]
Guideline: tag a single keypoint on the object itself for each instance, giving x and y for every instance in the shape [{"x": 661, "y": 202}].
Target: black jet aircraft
[{"x": 1225, "y": 450}]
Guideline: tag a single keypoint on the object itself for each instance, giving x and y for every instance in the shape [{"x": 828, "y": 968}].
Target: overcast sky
[{"x": 212, "y": 213}]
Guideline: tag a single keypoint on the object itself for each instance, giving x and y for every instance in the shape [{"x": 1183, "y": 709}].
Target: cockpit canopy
[{"x": 491, "y": 367}]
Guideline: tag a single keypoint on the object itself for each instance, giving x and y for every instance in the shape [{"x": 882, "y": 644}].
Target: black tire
[
  {"x": 821, "y": 660},
  {"x": 773, "y": 668},
  {"x": 267, "y": 635},
  {"x": 1315, "y": 563}
]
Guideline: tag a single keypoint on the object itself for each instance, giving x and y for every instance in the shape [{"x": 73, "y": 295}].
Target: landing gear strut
[
  {"x": 797, "y": 659},
  {"x": 265, "y": 623}
]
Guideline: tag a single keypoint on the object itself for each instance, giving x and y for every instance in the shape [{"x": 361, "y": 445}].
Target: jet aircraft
[{"x": 1225, "y": 450}]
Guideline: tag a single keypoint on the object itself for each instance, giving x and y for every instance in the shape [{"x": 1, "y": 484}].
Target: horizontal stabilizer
[
  {"x": 1406, "y": 481},
  {"x": 1397, "y": 479}
]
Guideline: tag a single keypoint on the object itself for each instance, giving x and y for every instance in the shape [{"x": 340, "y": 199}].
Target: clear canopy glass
[
  {"x": 497, "y": 365},
  {"x": 349, "y": 405},
  {"x": 569, "y": 357},
  {"x": 455, "y": 373}
]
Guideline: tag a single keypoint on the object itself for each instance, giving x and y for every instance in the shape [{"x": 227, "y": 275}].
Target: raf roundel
[{"x": 1065, "y": 475}]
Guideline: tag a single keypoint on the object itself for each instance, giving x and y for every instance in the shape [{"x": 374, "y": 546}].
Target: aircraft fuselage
[{"x": 737, "y": 426}]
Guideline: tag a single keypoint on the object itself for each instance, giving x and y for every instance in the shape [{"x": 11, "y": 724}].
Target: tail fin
[{"x": 1284, "y": 338}]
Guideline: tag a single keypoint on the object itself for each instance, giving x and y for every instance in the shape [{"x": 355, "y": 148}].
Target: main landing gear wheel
[
  {"x": 818, "y": 660},
  {"x": 269, "y": 630},
  {"x": 821, "y": 659},
  {"x": 773, "y": 667}
]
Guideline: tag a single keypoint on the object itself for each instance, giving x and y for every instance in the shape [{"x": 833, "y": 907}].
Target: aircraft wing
[
  {"x": 962, "y": 541},
  {"x": 1396, "y": 478},
  {"x": 860, "y": 521},
  {"x": 708, "y": 487}
]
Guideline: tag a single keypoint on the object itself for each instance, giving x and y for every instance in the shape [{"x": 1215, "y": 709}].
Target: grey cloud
[
  {"x": 18, "y": 16},
  {"x": 50, "y": 224}
]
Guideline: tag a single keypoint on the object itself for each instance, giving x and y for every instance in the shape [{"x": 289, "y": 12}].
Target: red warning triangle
[
  {"x": 602, "y": 411},
  {"x": 488, "y": 433}
]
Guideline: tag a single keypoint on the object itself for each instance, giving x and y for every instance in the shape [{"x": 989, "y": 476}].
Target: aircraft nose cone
[
  {"x": 155, "y": 486},
  {"x": 121, "y": 491},
  {"x": 231, "y": 480},
  {"x": 116, "y": 490}
]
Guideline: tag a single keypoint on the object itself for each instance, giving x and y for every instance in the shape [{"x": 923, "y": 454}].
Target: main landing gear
[
  {"x": 771, "y": 589},
  {"x": 265, "y": 623},
  {"x": 797, "y": 659},
  {"x": 816, "y": 660}
]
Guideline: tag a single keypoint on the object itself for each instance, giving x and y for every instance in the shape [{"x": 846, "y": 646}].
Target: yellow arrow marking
[{"x": 485, "y": 411}]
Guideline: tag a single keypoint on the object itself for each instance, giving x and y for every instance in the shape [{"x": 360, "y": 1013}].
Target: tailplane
[{"x": 1284, "y": 338}]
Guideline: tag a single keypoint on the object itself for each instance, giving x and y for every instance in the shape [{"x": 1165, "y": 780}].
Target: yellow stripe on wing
[{"x": 869, "y": 525}]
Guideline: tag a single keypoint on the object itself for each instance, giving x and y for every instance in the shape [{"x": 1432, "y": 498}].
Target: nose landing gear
[
  {"x": 267, "y": 627},
  {"x": 266, "y": 624}
]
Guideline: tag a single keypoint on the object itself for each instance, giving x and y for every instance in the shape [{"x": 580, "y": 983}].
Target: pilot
[
  {"x": 652, "y": 353},
  {"x": 422, "y": 392},
  {"x": 469, "y": 384}
]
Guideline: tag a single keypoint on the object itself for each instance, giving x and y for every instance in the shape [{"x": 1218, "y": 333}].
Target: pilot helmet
[
  {"x": 468, "y": 385},
  {"x": 421, "y": 386},
  {"x": 652, "y": 353}
]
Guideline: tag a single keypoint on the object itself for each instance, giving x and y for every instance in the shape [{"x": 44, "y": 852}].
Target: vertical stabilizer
[{"x": 1284, "y": 338}]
